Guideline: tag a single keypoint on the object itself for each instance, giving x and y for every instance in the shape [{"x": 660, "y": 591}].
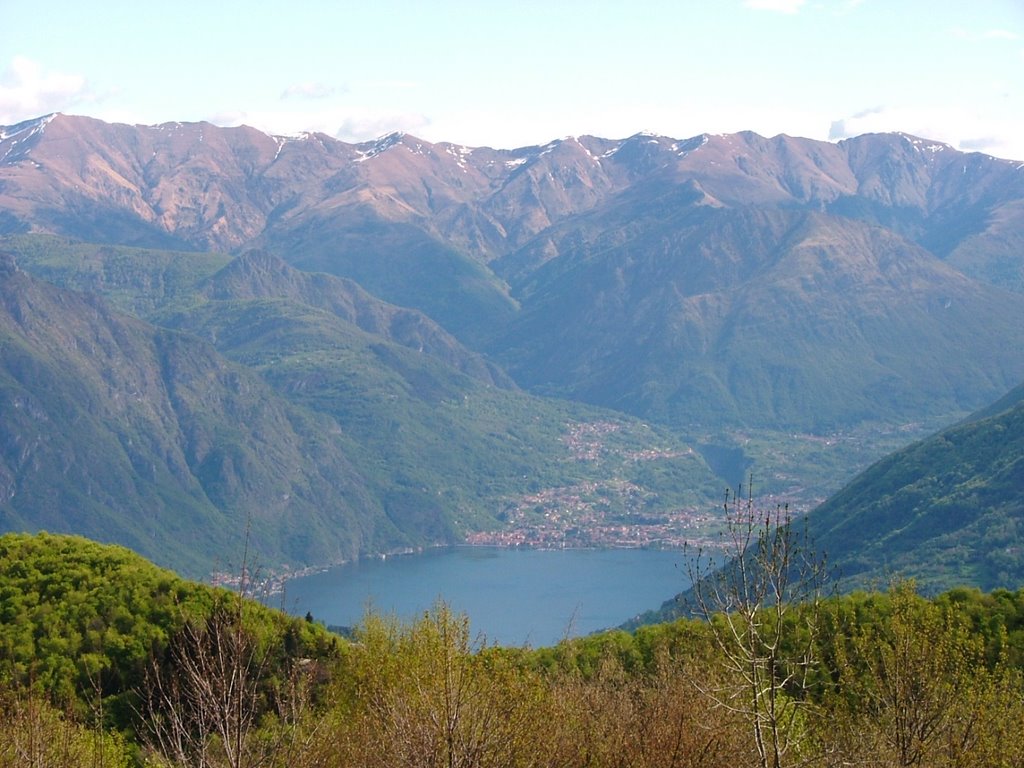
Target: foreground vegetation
[{"x": 108, "y": 661}]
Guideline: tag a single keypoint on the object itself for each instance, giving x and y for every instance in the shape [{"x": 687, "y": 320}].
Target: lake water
[{"x": 512, "y": 596}]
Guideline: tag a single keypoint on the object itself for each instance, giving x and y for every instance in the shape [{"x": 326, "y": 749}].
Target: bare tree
[
  {"x": 766, "y": 644},
  {"x": 208, "y": 686},
  {"x": 204, "y": 700}
]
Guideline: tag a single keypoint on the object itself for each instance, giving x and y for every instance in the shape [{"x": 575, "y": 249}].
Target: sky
[{"x": 511, "y": 74}]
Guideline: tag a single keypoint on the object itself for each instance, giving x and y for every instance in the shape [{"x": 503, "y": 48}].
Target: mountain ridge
[
  {"x": 261, "y": 161},
  {"x": 768, "y": 299}
]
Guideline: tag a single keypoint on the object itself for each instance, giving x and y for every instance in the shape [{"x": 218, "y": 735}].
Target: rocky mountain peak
[{"x": 198, "y": 186}]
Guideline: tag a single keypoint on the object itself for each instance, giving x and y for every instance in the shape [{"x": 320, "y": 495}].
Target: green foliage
[
  {"x": 93, "y": 637},
  {"x": 913, "y": 684},
  {"x": 77, "y": 614},
  {"x": 428, "y": 695},
  {"x": 34, "y": 733},
  {"x": 79, "y": 621}
]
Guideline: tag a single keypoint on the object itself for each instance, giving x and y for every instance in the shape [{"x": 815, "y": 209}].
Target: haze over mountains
[{"x": 760, "y": 297}]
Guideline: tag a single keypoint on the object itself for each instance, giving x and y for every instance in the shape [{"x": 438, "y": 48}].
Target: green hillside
[
  {"x": 948, "y": 510},
  {"x": 337, "y": 424},
  {"x": 108, "y": 661},
  {"x": 128, "y": 433},
  {"x": 135, "y": 280},
  {"x": 80, "y": 619}
]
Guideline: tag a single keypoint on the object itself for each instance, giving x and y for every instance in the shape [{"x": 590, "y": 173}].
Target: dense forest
[{"x": 106, "y": 660}]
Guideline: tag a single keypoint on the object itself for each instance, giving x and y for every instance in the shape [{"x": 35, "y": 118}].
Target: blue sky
[{"x": 512, "y": 74}]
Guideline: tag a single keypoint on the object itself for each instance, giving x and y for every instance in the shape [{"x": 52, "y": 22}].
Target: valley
[
  {"x": 499, "y": 385},
  {"x": 352, "y": 349},
  {"x": 580, "y": 517}
]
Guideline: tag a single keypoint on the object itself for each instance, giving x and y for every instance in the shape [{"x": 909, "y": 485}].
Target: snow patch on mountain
[
  {"x": 683, "y": 148},
  {"x": 383, "y": 144},
  {"x": 611, "y": 152},
  {"x": 29, "y": 127},
  {"x": 550, "y": 147},
  {"x": 460, "y": 153},
  {"x": 22, "y": 132}
]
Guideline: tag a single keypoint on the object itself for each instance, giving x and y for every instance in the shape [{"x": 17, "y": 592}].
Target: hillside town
[{"x": 569, "y": 520}]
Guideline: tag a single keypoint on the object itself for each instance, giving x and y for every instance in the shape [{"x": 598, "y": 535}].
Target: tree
[
  {"x": 767, "y": 649},
  {"x": 204, "y": 700},
  {"x": 916, "y": 691},
  {"x": 429, "y": 696},
  {"x": 35, "y": 734},
  {"x": 207, "y": 686}
]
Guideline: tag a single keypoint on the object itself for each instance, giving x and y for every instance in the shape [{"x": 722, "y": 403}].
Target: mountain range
[
  {"x": 647, "y": 274},
  {"x": 794, "y": 307}
]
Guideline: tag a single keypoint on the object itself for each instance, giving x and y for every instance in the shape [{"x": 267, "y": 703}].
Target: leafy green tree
[
  {"x": 430, "y": 695},
  {"x": 915, "y": 689}
]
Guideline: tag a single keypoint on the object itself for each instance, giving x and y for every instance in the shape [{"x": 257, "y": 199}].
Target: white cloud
[
  {"x": 778, "y": 6},
  {"x": 367, "y": 125},
  {"x": 309, "y": 90},
  {"x": 959, "y": 129},
  {"x": 27, "y": 91},
  {"x": 231, "y": 117},
  {"x": 353, "y": 124}
]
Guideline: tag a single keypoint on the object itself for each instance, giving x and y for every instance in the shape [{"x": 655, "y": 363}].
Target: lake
[{"x": 512, "y": 596}]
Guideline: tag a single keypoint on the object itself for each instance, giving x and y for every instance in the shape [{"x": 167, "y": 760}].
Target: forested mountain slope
[
  {"x": 948, "y": 510},
  {"x": 119, "y": 430},
  {"x": 254, "y": 398}
]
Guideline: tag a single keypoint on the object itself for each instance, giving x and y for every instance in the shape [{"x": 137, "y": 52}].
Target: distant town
[{"x": 575, "y": 523}]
